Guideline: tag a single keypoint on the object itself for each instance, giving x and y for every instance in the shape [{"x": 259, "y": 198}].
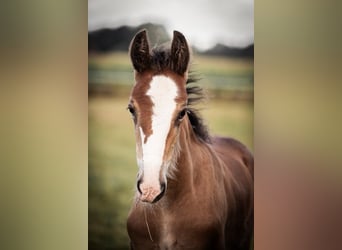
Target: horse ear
[
  {"x": 180, "y": 53},
  {"x": 140, "y": 51}
]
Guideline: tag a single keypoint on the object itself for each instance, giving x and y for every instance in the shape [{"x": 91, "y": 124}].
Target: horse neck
[{"x": 191, "y": 150}]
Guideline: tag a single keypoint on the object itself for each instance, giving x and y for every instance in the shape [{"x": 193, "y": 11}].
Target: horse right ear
[
  {"x": 140, "y": 52},
  {"x": 180, "y": 53}
]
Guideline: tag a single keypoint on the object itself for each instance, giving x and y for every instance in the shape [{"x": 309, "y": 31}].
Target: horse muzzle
[{"x": 151, "y": 193}]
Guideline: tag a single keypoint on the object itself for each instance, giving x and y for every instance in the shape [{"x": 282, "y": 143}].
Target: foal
[{"x": 194, "y": 191}]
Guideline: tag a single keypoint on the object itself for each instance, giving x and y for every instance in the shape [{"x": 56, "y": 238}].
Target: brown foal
[{"x": 194, "y": 191}]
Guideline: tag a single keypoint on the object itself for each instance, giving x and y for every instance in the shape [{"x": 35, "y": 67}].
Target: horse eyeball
[{"x": 181, "y": 114}]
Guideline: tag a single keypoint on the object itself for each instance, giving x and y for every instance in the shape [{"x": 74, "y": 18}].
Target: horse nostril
[
  {"x": 138, "y": 186},
  {"x": 162, "y": 192},
  {"x": 162, "y": 187}
]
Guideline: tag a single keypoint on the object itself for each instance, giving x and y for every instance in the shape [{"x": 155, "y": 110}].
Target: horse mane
[
  {"x": 196, "y": 95},
  {"x": 161, "y": 60}
]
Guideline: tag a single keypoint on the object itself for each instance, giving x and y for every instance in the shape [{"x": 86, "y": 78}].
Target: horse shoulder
[
  {"x": 229, "y": 148},
  {"x": 238, "y": 163}
]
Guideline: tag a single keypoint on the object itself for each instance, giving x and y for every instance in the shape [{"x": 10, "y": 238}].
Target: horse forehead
[
  {"x": 163, "y": 90},
  {"x": 160, "y": 89}
]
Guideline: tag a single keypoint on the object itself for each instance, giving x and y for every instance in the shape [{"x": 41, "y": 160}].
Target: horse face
[
  {"x": 157, "y": 114},
  {"x": 158, "y": 105}
]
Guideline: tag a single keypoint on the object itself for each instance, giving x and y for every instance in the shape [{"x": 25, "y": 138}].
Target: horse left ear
[{"x": 180, "y": 53}]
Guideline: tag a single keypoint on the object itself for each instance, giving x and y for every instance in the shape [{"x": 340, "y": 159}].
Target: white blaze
[{"x": 163, "y": 91}]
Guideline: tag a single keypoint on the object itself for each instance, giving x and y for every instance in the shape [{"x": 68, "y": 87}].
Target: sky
[{"x": 203, "y": 22}]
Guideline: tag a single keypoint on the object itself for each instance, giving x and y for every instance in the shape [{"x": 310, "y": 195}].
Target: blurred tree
[{"x": 118, "y": 39}]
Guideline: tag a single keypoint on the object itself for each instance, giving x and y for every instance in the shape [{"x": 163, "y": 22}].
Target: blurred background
[{"x": 221, "y": 36}]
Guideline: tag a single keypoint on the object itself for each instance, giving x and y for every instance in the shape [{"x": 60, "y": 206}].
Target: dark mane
[
  {"x": 160, "y": 60},
  {"x": 195, "y": 95}
]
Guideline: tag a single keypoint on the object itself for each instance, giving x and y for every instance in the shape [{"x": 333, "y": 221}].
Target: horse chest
[
  {"x": 175, "y": 231},
  {"x": 168, "y": 237},
  {"x": 191, "y": 232}
]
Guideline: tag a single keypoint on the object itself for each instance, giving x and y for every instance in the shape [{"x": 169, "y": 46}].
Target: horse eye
[
  {"x": 181, "y": 114},
  {"x": 131, "y": 110}
]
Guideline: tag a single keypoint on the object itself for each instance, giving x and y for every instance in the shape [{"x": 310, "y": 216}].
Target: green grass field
[
  {"x": 216, "y": 72},
  {"x": 120, "y": 60},
  {"x": 112, "y": 165}
]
